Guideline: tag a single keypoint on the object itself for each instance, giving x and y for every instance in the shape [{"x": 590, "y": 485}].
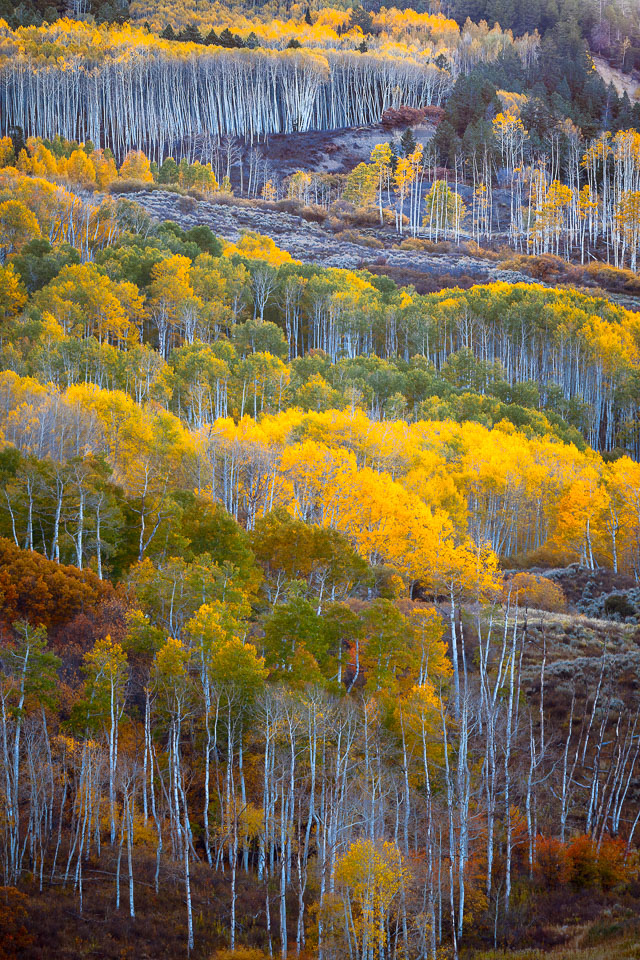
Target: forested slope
[{"x": 318, "y": 595}]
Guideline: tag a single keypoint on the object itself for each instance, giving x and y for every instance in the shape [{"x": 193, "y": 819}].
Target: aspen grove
[{"x": 319, "y": 521}]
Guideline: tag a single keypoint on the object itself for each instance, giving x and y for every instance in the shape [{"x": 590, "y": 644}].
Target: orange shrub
[
  {"x": 552, "y": 864},
  {"x": 582, "y": 854},
  {"x": 611, "y": 863},
  {"x": 531, "y": 590},
  {"x": 580, "y": 863}
]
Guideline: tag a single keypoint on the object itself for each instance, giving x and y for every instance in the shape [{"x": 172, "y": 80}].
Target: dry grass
[{"x": 612, "y": 947}]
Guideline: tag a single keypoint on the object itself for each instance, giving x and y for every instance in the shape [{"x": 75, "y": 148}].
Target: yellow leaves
[
  {"x": 199, "y": 176},
  {"x": 255, "y": 246},
  {"x": 444, "y": 208},
  {"x": 144, "y": 445},
  {"x": 626, "y": 146},
  {"x": 512, "y": 102},
  {"x": 171, "y": 663},
  {"x": 6, "y": 151},
  {"x": 217, "y": 622},
  {"x": 170, "y": 280},
  {"x": 587, "y": 201},
  {"x": 417, "y": 715},
  {"x": 18, "y": 225},
  {"x": 13, "y": 296},
  {"x": 507, "y": 125},
  {"x": 361, "y": 185},
  {"x": 135, "y": 166},
  {"x": 510, "y": 132},
  {"x": 370, "y": 877},
  {"x": 39, "y": 162},
  {"x": 251, "y": 822},
  {"x": 468, "y": 570},
  {"x": 536, "y": 592},
  {"x": 435, "y": 666},
  {"x": 105, "y": 169},
  {"x": 610, "y": 343},
  {"x": 581, "y": 515},
  {"x": 627, "y": 217},
  {"x": 381, "y": 158},
  {"x": 404, "y": 175},
  {"x": 106, "y": 662},
  {"x": 385, "y": 522},
  {"x": 87, "y": 303},
  {"x": 298, "y": 186},
  {"x": 269, "y": 192},
  {"x": 58, "y": 213},
  {"x": 598, "y": 150},
  {"x": 79, "y": 169}
]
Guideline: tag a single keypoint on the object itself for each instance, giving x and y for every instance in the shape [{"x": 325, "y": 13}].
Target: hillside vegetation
[{"x": 319, "y": 603}]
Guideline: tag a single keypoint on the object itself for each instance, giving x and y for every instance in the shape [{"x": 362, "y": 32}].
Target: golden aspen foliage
[
  {"x": 254, "y": 246},
  {"x": 18, "y": 225},
  {"x": 530, "y": 590},
  {"x": 79, "y": 169},
  {"x": 105, "y": 168},
  {"x": 7, "y": 155},
  {"x": 298, "y": 186},
  {"x": 135, "y": 166},
  {"x": 13, "y": 296},
  {"x": 369, "y": 877},
  {"x": 362, "y": 184},
  {"x": 269, "y": 191}
]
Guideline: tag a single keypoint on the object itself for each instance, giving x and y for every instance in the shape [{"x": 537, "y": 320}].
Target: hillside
[{"x": 319, "y": 481}]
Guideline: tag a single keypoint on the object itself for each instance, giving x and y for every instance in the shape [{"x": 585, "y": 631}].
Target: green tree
[
  {"x": 295, "y": 643},
  {"x": 408, "y": 142}
]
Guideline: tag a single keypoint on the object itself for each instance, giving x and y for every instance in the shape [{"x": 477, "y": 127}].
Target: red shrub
[
  {"x": 433, "y": 113},
  {"x": 403, "y": 116},
  {"x": 552, "y": 862}
]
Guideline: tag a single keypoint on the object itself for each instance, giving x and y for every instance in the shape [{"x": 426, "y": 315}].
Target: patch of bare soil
[{"x": 628, "y": 83}]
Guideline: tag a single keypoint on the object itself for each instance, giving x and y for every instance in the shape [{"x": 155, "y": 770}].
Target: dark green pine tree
[
  {"x": 190, "y": 34},
  {"x": 17, "y": 137},
  {"x": 408, "y": 142},
  {"x": 393, "y": 159},
  {"x": 361, "y": 18},
  {"x": 167, "y": 33},
  {"x": 227, "y": 39}
]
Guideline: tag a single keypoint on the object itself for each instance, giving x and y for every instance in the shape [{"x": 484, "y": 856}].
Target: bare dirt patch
[{"x": 628, "y": 83}]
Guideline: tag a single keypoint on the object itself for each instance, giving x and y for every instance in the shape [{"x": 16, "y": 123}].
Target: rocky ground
[{"x": 314, "y": 242}]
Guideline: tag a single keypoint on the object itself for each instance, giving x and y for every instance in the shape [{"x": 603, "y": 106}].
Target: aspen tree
[{"x": 106, "y": 667}]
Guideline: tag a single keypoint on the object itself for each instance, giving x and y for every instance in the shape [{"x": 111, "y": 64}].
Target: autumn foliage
[
  {"x": 582, "y": 863},
  {"x": 535, "y": 591},
  {"x": 44, "y": 592}
]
